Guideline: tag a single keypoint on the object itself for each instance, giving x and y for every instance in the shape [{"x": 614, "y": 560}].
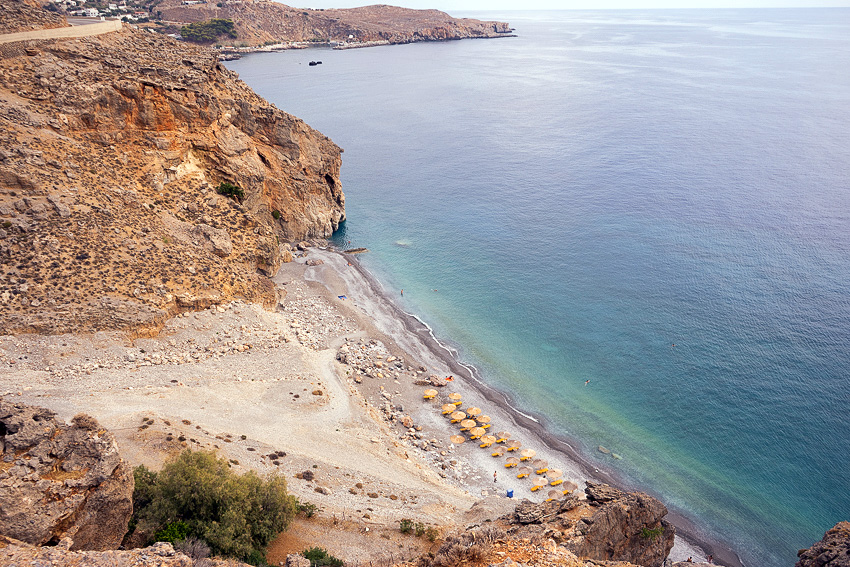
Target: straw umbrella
[
  {"x": 467, "y": 424},
  {"x": 540, "y": 466},
  {"x": 477, "y": 432},
  {"x": 569, "y": 486},
  {"x": 457, "y": 439},
  {"x": 455, "y": 398},
  {"x": 527, "y": 454},
  {"x": 523, "y": 472},
  {"x": 502, "y": 436},
  {"x": 487, "y": 440},
  {"x": 430, "y": 394},
  {"x": 552, "y": 494},
  {"x": 511, "y": 462},
  {"x": 473, "y": 411},
  {"x": 458, "y": 416},
  {"x": 484, "y": 420},
  {"x": 498, "y": 451},
  {"x": 448, "y": 408},
  {"x": 555, "y": 476},
  {"x": 539, "y": 483},
  {"x": 513, "y": 445}
]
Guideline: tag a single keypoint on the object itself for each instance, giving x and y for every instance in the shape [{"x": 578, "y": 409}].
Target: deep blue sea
[{"x": 569, "y": 204}]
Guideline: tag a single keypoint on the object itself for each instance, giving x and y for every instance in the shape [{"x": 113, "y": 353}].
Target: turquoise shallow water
[{"x": 600, "y": 188}]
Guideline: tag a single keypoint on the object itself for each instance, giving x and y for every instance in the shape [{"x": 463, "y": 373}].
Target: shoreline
[{"x": 536, "y": 425}]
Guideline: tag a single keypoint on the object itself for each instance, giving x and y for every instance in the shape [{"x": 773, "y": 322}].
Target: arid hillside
[
  {"x": 112, "y": 149},
  {"x": 260, "y": 22}
]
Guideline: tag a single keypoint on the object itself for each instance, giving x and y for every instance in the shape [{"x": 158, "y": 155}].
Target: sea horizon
[{"x": 634, "y": 227}]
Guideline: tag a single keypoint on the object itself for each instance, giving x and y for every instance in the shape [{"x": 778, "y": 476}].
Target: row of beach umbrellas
[{"x": 476, "y": 425}]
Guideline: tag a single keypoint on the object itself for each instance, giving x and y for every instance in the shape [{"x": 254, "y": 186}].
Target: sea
[{"x": 637, "y": 225}]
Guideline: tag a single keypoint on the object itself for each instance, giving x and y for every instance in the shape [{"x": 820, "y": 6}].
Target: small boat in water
[{"x": 314, "y": 63}]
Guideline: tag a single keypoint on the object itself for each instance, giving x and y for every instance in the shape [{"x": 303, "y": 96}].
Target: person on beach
[
  {"x": 494, "y": 475},
  {"x": 402, "y": 292},
  {"x": 586, "y": 382}
]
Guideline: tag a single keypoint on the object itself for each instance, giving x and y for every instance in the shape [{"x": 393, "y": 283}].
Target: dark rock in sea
[
  {"x": 59, "y": 481},
  {"x": 832, "y": 551}
]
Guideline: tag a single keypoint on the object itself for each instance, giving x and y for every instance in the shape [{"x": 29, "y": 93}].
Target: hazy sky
[{"x": 461, "y": 5}]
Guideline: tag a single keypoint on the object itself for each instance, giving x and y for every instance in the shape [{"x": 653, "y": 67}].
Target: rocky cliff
[
  {"x": 111, "y": 150},
  {"x": 260, "y": 22},
  {"x": 832, "y": 551},
  {"x": 59, "y": 481}
]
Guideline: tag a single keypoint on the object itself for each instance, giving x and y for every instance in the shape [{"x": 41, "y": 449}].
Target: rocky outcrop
[
  {"x": 625, "y": 526},
  {"x": 161, "y": 554},
  {"x": 832, "y": 551},
  {"x": 610, "y": 525},
  {"x": 59, "y": 481},
  {"x": 111, "y": 152},
  {"x": 257, "y": 23}
]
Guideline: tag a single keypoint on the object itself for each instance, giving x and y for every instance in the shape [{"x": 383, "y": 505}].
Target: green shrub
[
  {"x": 236, "y": 515},
  {"x": 230, "y": 190},
  {"x": 275, "y": 214},
  {"x": 420, "y": 529},
  {"x": 651, "y": 534},
  {"x": 320, "y": 558},
  {"x": 173, "y": 532},
  {"x": 308, "y": 508},
  {"x": 406, "y": 526},
  {"x": 208, "y": 31},
  {"x": 431, "y": 533}
]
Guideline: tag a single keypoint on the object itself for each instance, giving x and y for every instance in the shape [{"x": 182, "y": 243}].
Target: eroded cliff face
[
  {"x": 832, "y": 551},
  {"x": 111, "y": 149},
  {"x": 59, "y": 481}
]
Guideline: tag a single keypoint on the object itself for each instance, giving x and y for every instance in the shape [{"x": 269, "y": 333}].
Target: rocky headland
[{"x": 262, "y": 22}]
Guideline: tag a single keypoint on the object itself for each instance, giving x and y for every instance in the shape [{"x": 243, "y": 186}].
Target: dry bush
[
  {"x": 470, "y": 546},
  {"x": 85, "y": 421}
]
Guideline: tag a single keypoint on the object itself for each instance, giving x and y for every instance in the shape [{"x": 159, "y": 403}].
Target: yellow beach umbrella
[
  {"x": 511, "y": 462},
  {"x": 430, "y": 394},
  {"x": 527, "y": 454},
  {"x": 523, "y": 472},
  {"x": 502, "y": 436},
  {"x": 477, "y": 432},
  {"x": 473, "y": 411},
  {"x": 458, "y": 416},
  {"x": 540, "y": 466},
  {"x": 487, "y": 440},
  {"x": 455, "y": 398},
  {"x": 448, "y": 408},
  {"x": 457, "y": 439},
  {"x": 484, "y": 420},
  {"x": 513, "y": 445},
  {"x": 467, "y": 424},
  {"x": 498, "y": 451}
]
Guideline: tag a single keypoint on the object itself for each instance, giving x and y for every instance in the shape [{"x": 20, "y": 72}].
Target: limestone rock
[
  {"x": 60, "y": 481},
  {"x": 624, "y": 527},
  {"x": 832, "y": 551},
  {"x": 161, "y": 554},
  {"x": 216, "y": 239},
  {"x": 296, "y": 560}
]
